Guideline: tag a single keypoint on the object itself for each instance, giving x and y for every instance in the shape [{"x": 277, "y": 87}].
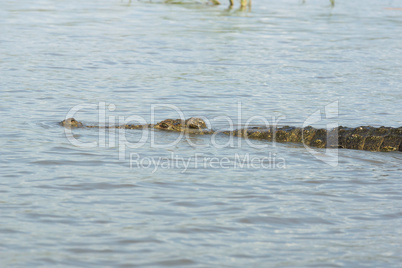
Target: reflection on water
[{"x": 65, "y": 205}]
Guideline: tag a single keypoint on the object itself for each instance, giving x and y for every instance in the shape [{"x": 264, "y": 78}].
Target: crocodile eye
[{"x": 164, "y": 125}]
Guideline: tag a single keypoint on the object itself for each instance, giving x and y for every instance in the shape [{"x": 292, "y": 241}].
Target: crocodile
[
  {"x": 379, "y": 139},
  {"x": 191, "y": 125}
]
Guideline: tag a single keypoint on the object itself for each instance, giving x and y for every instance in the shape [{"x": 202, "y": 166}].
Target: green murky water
[{"x": 197, "y": 201}]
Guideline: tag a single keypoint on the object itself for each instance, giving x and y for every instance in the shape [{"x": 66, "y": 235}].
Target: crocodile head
[
  {"x": 181, "y": 125},
  {"x": 170, "y": 124},
  {"x": 70, "y": 123},
  {"x": 195, "y": 122}
]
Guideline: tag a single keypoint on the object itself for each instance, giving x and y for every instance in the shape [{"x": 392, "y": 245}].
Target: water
[{"x": 283, "y": 60}]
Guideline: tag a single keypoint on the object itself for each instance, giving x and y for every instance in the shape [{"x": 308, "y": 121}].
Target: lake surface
[{"x": 197, "y": 201}]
